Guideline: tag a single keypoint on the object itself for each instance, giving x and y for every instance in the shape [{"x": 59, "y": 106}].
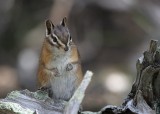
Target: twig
[{"x": 73, "y": 105}]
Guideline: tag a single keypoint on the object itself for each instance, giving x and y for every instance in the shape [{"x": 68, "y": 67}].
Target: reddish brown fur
[
  {"x": 74, "y": 54},
  {"x": 79, "y": 74},
  {"x": 45, "y": 57},
  {"x": 75, "y": 58}
]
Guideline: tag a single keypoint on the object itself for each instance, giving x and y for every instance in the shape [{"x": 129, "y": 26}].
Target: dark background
[{"x": 111, "y": 35}]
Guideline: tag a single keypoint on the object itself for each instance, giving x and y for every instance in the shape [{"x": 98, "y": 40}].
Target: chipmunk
[{"x": 59, "y": 65}]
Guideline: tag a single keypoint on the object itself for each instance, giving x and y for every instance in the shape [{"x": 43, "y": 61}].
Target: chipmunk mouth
[{"x": 66, "y": 48}]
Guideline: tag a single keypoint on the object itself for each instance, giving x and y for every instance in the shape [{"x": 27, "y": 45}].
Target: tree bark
[{"x": 144, "y": 97}]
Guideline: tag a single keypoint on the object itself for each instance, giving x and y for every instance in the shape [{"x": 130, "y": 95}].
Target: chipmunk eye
[{"x": 54, "y": 39}]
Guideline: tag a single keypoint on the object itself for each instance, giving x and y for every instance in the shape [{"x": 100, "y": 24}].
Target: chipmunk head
[{"x": 58, "y": 35}]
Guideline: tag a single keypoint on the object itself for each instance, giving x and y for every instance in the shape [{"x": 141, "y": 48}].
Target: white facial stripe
[
  {"x": 68, "y": 41},
  {"x": 55, "y": 36}
]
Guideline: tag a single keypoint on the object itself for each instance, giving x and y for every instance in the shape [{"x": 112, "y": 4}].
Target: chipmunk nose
[{"x": 66, "y": 48}]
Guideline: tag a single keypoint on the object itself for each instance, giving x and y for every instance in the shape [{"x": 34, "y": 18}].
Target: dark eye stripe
[{"x": 54, "y": 38}]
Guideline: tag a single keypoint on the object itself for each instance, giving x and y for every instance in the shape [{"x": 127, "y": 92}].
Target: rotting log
[{"x": 144, "y": 97}]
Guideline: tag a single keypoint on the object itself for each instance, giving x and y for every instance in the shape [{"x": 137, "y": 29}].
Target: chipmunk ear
[
  {"x": 49, "y": 27},
  {"x": 64, "y": 21}
]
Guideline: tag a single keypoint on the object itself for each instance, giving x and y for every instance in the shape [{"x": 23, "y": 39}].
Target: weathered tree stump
[{"x": 144, "y": 97}]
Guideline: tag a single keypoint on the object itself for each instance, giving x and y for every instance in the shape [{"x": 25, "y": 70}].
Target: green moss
[
  {"x": 13, "y": 94},
  {"x": 40, "y": 95},
  {"x": 14, "y": 107}
]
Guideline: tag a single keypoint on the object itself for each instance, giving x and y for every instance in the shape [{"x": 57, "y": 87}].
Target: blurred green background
[{"x": 110, "y": 34}]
